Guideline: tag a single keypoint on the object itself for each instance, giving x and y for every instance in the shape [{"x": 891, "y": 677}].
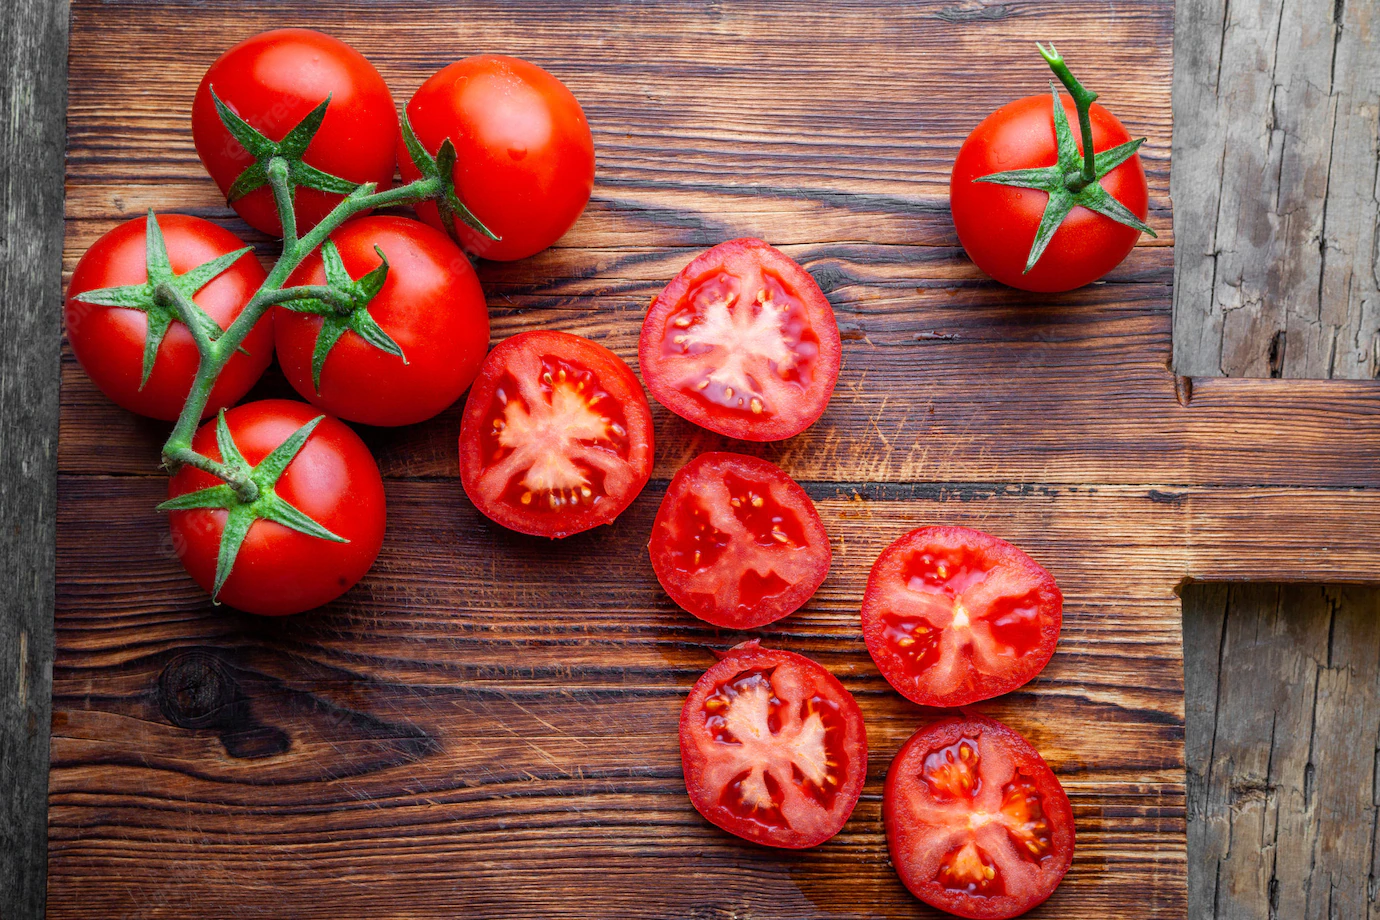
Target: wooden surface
[
  {"x": 33, "y": 44},
  {"x": 1283, "y": 737},
  {"x": 486, "y": 724},
  {"x": 1277, "y": 188}
]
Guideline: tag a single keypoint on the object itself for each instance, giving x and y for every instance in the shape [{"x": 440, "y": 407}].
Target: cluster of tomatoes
[{"x": 277, "y": 506}]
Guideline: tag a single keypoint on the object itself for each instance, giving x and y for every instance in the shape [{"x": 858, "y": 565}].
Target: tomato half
[
  {"x": 556, "y": 436},
  {"x": 737, "y": 542},
  {"x": 333, "y": 480},
  {"x": 773, "y": 747},
  {"x": 273, "y": 81},
  {"x": 997, "y": 223},
  {"x": 977, "y": 823},
  {"x": 430, "y": 306},
  {"x": 952, "y": 616},
  {"x": 109, "y": 341},
  {"x": 525, "y": 156},
  {"x": 742, "y": 342}
]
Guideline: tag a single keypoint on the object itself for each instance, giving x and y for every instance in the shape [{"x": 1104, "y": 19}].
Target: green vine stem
[{"x": 1083, "y": 99}]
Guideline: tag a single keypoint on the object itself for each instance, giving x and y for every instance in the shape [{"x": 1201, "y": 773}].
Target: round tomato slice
[
  {"x": 976, "y": 822},
  {"x": 742, "y": 342},
  {"x": 773, "y": 747},
  {"x": 556, "y": 437},
  {"x": 737, "y": 542},
  {"x": 952, "y": 616}
]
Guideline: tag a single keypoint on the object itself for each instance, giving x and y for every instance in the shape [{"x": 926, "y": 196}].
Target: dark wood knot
[{"x": 196, "y": 690}]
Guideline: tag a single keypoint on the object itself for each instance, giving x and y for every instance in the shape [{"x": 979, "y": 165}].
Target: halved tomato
[
  {"x": 977, "y": 823},
  {"x": 742, "y": 342},
  {"x": 737, "y": 542},
  {"x": 556, "y": 436},
  {"x": 773, "y": 747},
  {"x": 952, "y": 616}
]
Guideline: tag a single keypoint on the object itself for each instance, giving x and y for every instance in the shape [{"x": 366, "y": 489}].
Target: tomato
[
  {"x": 742, "y": 342},
  {"x": 997, "y": 223},
  {"x": 430, "y": 309},
  {"x": 976, "y": 822},
  {"x": 273, "y": 81},
  {"x": 773, "y": 748},
  {"x": 737, "y": 542},
  {"x": 333, "y": 480},
  {"x": 110, "y": 341},
  {"x": 525, "y": 164},
  {"x": 556, "y": 436},
  {"x": 953, "y": 615}
]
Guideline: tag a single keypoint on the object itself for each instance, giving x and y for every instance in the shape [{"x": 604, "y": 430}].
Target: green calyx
[
  {"x": 345, "y": 306},
  {"x": 247, "y": 494},
  {"x": 1076, "y": 179},
  {"x": 166, "y": 295},
  {"x": 442, "y": 167}
]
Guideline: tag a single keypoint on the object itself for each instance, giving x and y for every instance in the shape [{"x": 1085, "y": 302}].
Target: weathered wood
[
  {"x": 33, "y": 44},
  {"x": 1276, "y": 147}
]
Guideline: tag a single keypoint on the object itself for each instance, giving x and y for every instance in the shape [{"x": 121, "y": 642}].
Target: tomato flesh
[
  {"x": 742, "y": 342},
  {"x": 773, "y": 748},
  {"x": 977, "y": 823},
  {"x": 556, "y": 436},
  {"x": 737, "y": 542},
  {"x": 952, "y": 616}
]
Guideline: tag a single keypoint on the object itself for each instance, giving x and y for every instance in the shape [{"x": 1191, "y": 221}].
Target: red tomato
[
  {"x": 742, "y": 342},
  {"x": 953, "y": 615},
  {"x": 274, "y": 80},
  {"x": 109, "y": 341},
  {"x": 431, "y": 306},
  {"x": 556, "y": 436},
  {"x": 997, "y": 223},
  {"x": 737, "y": 542},
  {"x": 773, "y": 748},
  {"x": 333, "y": 480},
  {"x": 976, "y": 822},
  {"x": 525, "y": 164}
]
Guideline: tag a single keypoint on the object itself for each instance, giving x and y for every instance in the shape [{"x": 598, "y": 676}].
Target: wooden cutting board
[{"x": 486, "y": 726}]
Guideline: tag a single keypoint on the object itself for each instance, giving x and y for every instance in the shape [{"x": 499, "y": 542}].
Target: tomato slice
[
  {"x": 773, "y": 748},
  {"x": 742, "y": 342},
  {"x": 977, "y": 823},
  {"x": 556, "y": 436},
  {"x": 952, "y": 616},
  {"x": 737, "y": 542}
]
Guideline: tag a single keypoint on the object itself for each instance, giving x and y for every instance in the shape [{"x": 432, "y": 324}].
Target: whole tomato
[
  {"x": 430, "y": 308},
  {"x": 332, "y": 480},
  {"x": 273, "y": 81},
  {"x": 525, "y": 157},
  {"x": 110, "y": 342}
]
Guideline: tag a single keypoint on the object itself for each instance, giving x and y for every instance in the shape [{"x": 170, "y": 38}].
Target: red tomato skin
[
  {"x": 334, "y": 480},
  {"x": 980, "y": 686},
  {"x": 748, "y": 655},
  {"x": 683, "y": 486},
  {"x": 904, "y": 772},
  {"x": 997, "y": 223},
  {"x": 431, "y": 305},
  {"x": 743, "y": 427},
  {"x": 525, "y": 163},
  {"x": 109, "y": 341},
  {"x": 272, "y": 81}
]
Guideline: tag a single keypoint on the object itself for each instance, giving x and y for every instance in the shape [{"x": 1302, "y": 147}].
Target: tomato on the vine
[
  {"x": 976, "y": 822},
  {"x": 773, "y": 747},
  {"x": 330, "y": 481},
  {"x": 737, "y": 542},
  {"x": 556, "y": 437},
  {"x": 952, "y": 616},
  {"x": 129, "y": 339},
  {"x": 402, "y": 343},
  {"x": 524, "y": 163},
  {"x": 742, "y": 342},
  {"x": 275, "y": 82}
]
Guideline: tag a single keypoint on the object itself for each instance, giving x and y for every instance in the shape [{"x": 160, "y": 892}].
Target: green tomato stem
[
  {"x": 278, "y": 174},
  {"x": 1082, "y": 99},
  {"x": 244, "y": 486}
]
